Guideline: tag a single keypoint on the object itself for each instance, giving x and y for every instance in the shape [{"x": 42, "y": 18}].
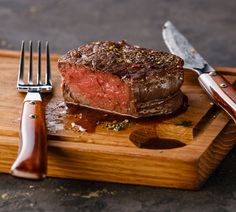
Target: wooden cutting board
[{"x": 107, "y": 155}]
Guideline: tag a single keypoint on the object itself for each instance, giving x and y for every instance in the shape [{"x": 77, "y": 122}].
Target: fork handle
[{"x": 31, "y": 161}]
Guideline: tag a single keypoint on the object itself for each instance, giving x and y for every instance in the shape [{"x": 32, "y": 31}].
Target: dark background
[{"x": 209, "y": 25}]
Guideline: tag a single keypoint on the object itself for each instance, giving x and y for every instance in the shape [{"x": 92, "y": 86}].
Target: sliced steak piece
[{"x": 121, "y": 78}]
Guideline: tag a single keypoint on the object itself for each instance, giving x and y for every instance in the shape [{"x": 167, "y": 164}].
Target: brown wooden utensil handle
[
  {"x": 32, "y": 158},
  {"x": 221, "y": 91}
]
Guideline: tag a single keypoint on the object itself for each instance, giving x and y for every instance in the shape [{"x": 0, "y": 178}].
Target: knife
[{"x": 217, "y": 87}]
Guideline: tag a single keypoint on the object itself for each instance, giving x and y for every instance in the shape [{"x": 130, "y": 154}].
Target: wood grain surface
[{"x": 107, "y": 155}]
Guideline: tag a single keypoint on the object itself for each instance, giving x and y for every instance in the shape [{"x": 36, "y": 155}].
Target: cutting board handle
[{"x": 32, "y": 158}]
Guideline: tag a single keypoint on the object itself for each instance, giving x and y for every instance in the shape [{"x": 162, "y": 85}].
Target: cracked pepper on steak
[{"x": 122, "y": 78}]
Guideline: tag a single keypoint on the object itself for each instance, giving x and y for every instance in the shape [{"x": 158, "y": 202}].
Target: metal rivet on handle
[
  {"x": 223, "y": 85},
  {"x": 32, "y": 102},
  {"x": 32, "y": 116},
  {"x": 213, "y": 73}
]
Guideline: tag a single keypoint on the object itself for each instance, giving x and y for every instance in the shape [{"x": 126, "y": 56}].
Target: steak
[{"x": 121, "y": 78}]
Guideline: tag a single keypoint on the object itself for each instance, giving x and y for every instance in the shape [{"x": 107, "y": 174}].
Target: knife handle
[
  {"x": 221, "y": 91},
  {"x": 31, "y": 161}
]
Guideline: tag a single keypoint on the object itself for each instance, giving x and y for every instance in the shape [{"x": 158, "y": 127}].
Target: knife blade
[{"x": 216, "y": 86}]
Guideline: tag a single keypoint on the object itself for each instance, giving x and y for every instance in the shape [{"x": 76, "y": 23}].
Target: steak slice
[{"x": 121, "y": 78}]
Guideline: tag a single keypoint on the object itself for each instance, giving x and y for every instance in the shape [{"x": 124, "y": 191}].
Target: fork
[{"x": 31, "y": 161}]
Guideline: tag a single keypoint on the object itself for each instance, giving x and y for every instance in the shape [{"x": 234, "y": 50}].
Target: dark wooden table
[{"x": 210, "y": 25}]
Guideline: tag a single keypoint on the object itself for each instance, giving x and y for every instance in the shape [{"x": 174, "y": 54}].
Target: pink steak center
[{"x": 97, "y": 89}]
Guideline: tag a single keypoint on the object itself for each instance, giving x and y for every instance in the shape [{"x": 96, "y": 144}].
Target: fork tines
[{"x": 30, "y": 86}]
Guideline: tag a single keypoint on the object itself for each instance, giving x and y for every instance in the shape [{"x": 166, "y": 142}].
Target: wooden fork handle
[{"x": 31, "y": 162}]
